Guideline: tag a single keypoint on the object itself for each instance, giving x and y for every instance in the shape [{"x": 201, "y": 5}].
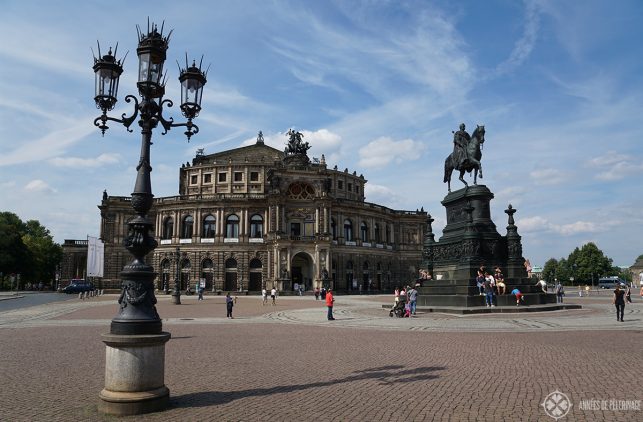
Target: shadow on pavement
[{"x": 387, "y": 375}]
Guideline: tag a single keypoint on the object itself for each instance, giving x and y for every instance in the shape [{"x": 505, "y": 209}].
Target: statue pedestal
[
  {"x": 134, "y": 374},
  {"x": 470, "y": 240}
]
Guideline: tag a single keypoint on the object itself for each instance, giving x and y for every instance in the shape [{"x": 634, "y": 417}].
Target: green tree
[
  {"x": 589, "y": 263},
  {"x": 14, "y": 254},
  {"x": 549, "y": 270},
  {"x": 45, "y": 253},
  {"x": 563, "y": 271},
  {"x": 27, "y": 249}
]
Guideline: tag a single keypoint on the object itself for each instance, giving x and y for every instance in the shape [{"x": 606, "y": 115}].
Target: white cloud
[
  {"x": 548, "y": 176},
  {"x": 321, "y": 141},
  {"x": 75, "y": 162},
  {"x": 541, "y": 224},
  {"x": 384, "y": 150},
  {"x": 523, "y": 47},
  {"x": 614, "y": 166},
  {"x": 379, "y": 194},
  {"x": 39, "y": 186}
]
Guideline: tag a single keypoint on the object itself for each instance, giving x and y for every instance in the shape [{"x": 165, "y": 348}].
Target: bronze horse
[{"x": 472, "y": 162}]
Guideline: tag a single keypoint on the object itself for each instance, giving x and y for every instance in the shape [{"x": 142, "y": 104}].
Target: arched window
[
  {"x": 168, "y": 228},
  {"x": 255, "y": 263},
  {"x": 186, "y": 227},
  {"x": 363, "y": 231},
  {"x": 333, "y": 228},
  {"x": 207, "y": 264},
  {"x": 256, "y": 226},
  {"x": 348, "y": 230},
  {"x": 232, "y": 227},
  {"x": 209, "y": 227},
  {"x": 378, "y": 238}
]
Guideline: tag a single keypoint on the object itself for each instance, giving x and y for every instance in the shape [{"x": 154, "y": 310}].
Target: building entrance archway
[
  {"x": 302, "y": 270},
  {"x": 254, "y": 276},
  {"x": 230, "y": 283}
]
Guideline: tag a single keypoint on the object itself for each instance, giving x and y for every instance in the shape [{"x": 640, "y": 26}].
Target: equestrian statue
[{"x": 466, "y": 155}]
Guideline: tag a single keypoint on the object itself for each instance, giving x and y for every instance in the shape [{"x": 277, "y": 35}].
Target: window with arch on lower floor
[
  {"x": 348, "y": 230},
  {"x": 187, "y": 227},
  {"x": 209, "y": 227},
  {"x": 232, "y": 227},
  {"x": 256, "y": 226},
  {"x": 168, "y": 228}
]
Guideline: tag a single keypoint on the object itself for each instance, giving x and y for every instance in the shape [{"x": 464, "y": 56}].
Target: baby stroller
[{"x": 398, "y": 310}]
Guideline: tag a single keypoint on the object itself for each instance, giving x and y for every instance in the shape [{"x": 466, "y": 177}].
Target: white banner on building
[{"x": 95, "y": 257}]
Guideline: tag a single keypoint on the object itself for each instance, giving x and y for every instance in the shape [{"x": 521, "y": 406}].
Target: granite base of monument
[{"x": 469, "y": 242}]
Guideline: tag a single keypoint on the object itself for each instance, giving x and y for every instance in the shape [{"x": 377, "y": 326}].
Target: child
[
  {"x": 407, "y": 310},
  {"x": 519, "y": 298}
]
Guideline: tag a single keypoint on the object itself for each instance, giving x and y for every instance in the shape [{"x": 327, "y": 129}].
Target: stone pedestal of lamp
[{"x": 134, "y": 374}]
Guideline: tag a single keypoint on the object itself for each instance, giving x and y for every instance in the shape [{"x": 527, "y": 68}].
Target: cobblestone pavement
[{"x": 287, "y": 363}]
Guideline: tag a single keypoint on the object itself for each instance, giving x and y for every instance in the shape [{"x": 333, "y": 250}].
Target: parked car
[
  {"x": 611, "y": 282},
  {"x": 78, "y": 286}
]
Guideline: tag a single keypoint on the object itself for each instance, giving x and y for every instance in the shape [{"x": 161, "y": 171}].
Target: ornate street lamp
[{"x": 135, "y": 359}]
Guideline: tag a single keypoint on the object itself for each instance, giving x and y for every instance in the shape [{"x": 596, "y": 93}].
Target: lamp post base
[
  {"x": 134, "y": 374},
  {"x": 176, "y": 298}
]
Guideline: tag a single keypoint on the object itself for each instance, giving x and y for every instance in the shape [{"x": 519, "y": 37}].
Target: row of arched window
[
  {"x": 363, "y": 231},
  {"x": 209, "y": 227}
]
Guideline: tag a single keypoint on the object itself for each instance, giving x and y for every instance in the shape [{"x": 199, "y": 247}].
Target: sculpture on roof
[{"x": 295, "y": 144}]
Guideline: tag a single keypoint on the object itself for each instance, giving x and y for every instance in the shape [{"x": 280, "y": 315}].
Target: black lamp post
[
  {"x": 176, "y": 293},
  {"x": 137, "y": 325}
]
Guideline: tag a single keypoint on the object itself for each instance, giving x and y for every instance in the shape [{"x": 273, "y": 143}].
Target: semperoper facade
[{"x": 256, "y": 217}]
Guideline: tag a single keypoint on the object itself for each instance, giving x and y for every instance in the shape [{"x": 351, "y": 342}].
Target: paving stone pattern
[{"x": 287, "y": 363}]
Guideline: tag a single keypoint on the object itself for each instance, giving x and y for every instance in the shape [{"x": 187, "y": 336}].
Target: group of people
[
  {"x": 406, "y": 298},
  {"x": 273, "y": 296},
  {"x": 490, "y": 285}
]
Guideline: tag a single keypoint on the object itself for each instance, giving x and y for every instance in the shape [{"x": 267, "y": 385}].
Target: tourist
[
  {"x": 560, "y": 292},
  {"x": 316, "y": 293},
  {"x": 403, "y": 295},
  {"x": 412, "y": 295},
  {"x": 619, "y": 302},
  {"x": 489, "y": 284},
  {"x": 273, "y": 295},
  {"x": 397, "y": 294},
  {"x": 330, "y": 300},
  {"x": 543, "y": 285},
  {"x": 322, "y": 293},
  {"x": 519, "y": 297},
  {"x": 480, "y": 282},
  {"x": 229, "y": 302},
  {"x": 500, "y": 281},
  {"x": 201, "y": 292},
  {"x": 264, "y": 296},
  {"x": 628, "y": 294}
]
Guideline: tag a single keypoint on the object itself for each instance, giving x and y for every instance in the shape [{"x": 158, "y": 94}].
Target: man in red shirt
[{"x": 329, "y": 303}]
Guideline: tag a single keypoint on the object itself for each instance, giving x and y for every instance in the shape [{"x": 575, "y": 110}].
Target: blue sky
[{"x": 375, "y": 86}]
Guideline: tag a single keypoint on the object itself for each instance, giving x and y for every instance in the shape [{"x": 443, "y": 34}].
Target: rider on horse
[{"x": 460, "y": 142}]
